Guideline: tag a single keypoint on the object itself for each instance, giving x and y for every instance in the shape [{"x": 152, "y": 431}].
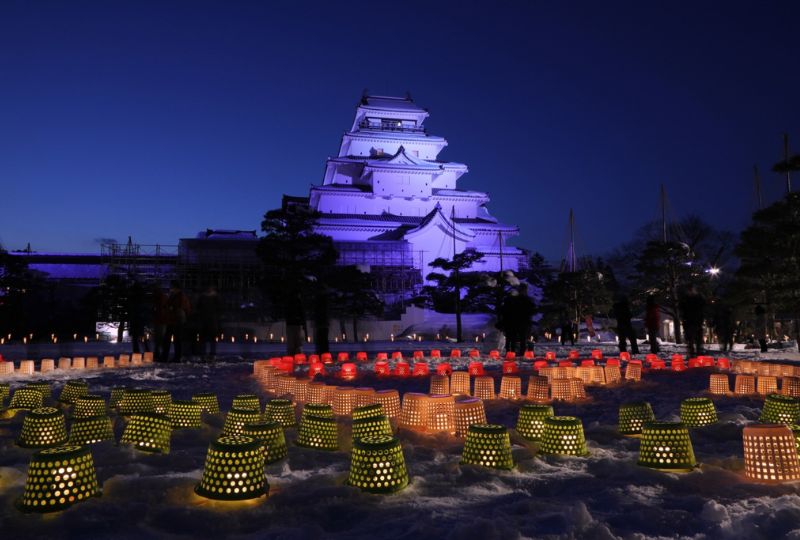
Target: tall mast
[
  {"x": 663, "y": 214},
  {"x": 786, "y": 161},
  {"x": 572, "y": 263},
  {"x": 757, "y": 180}
]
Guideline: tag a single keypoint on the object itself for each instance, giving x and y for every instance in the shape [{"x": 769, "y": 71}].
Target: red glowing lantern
[
  {"x": 511, "y": 355},
  {"x": 528, "y": 355},
  {"x": 455, "y": 353},
  {"x": 597, "y": 354},
  {"x": 612, "y": 362},
  {"x": 327, "y": 358},
  {"x": 724, "y": 363},
  {"x": 677, "y": 358},
  {"x": 540, "y": 364},
  {"x": 421, "y": 369},
  {"x": 510, "y": 367},
  {"x": 475, "y": 368},
  {"x": 658, "y": 364},
  {"x": 550, "y": 355},
  {"x": 436, "y": 353},
  {"x": 342, "y": 357},
  {"x": 706, "y": 361},
  {"x": 361, "y": 356},
  {"x": 624, "y": 355},
  {"x": 382, "y": 368},
  {"x": 474, "y": 353},
  {"x": 317, "y": 368},
  {"x": 444, "y": 369},
  {"x": 348, "y": 370},
  {"x": 418, "y": 355},
  {"x": 587, "y": 363},
  {"x": 565, "y": 363},
  {"x": 313, "y": 358},
  {"x": 494, "y": 354},
  {"x": 382, "y": 356},
  {"x": 397, "y": 355},
  {"x": 300, "y": 358},
  {"x": 402, "y": 369},
  {"x": 694, "y": 362},
  {"x": 573, "y": 355},
  {"x": 275, "y": 361},
  {"x": 678, "y": 365},
  {"x": 649, "y": 358},
  {"x": 287, "y": 364}
]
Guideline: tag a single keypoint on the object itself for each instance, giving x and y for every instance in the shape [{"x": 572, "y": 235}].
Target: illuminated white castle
[{"x": 389, "y": 203}]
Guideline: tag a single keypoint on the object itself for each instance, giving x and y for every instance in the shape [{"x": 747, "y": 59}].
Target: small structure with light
[
  {"x": 88, "y": 406},
  {"x": 510, "y": 387},
  {"x": 468, "y": 412},
  {"x": 344, "y": 400},
  {"x": 390, "y": 402},
  {"x": 72, "y": 390},
  {"x": 59, "y": 478},
  {"x": 136, "y": 401},
  {"x": 530, "y": 422},
  {"x": 271, "y": 436},
  {"x": 484, "y": 387},
  {"x": 632, "y": 417},
  {"x": 149, "y": 432},
  {"x": 234, "y": 470},
  {"x": 43, "y": 387},
  {"x": 698, "y": 412},
  {"x": 719, "y": 385},
  {"x": 770, "y": 453},
  {"x": 249, "y": 402},
  {"x": 236, "y": 419},
  {"x": 441, "y": 414},
  {"x": 319, "y": 433},
  {"x": 666, "y": 446},
  {"x": 161, "y": 401},
  {"x": 744, "y": 385},
  {"x": 780, "y": 409},
  {"x": 414, "y": 413},
  {"x": 371, "y": 426},
  {"x": 44, "y": 427},
  {"x": 185, "y": 414},
  {"x": 563, "y": 436},
  {"x": 281, "y": 411},
  {"x": 26, "y": 399},
  {"x": 208, "y": 401},
  {"x": 487, "y": 445},
  {"x": 377, "y": 465},
  {"x": 90, "y": 430},
  {"x": 460, "y": 383},
  {"x": 440, "y": 384}
]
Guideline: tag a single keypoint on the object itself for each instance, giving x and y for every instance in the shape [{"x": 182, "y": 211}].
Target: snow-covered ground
[{"x": 605, "y": 495}]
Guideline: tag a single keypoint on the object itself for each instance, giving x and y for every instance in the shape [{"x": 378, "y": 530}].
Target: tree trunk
[{"x": 355, "y": 330}]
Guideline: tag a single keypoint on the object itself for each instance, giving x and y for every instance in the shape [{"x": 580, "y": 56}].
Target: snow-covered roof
[{"x": 391, "y": 103}]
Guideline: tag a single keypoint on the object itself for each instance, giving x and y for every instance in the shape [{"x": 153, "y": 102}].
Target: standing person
[
  {"x": 693, "y": 307},
  {"x": 321, "y": 320},
  {"x": 652, "y": 321},
  {"x": 525, "y": 312},
  {"x": 761, "y": 327},
  {"x": 622, "y": 312},
  {"x": 567, "y": 331},
  {"x": 178, "y": 309},
  {"x": 136, "y": 315},
  {"x": 295, "y": 322},
  {"x": 724, "y": 326},
  {"x": 508, "y": 320},
  {"x": 209, "y": 312},
  {"x": 159, "y": 317}
]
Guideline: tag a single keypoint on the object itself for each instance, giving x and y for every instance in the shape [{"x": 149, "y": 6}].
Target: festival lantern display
[
  {"x": 460, "y": 383},
  {"x": 416, "y": 355},
  {"x": 538, "y": 389},
  {"x": 475, "y": 369},
  {"x": 5, "y": 391},
  {"x": 625, "y": 356},
  {"x": 563, "y": 436},
  {"x": 161, "y": 401},
  {"x": 561, "y": 389},
  {"x": 92, "y": 362},
  {"x": 44, "y": 427},
  {"x": 528, "y": 355},
  {"x": 790, "y": 386},
  {"x": 248, "y": 402},
  {"x": 530, "y": 422},
  {"x": 389, "y": 401},
  {"x": 79, "y": 362},
  {"x": 316, "y": 392},
  {"x": 402, "y": 369},
  {"x": 136, "y": 401},
  {"x": 421, "y": 369},
  {"x": 494, "y": 354},
  {"x": 90, "y": 430},
  {"x": 300, "y": 389},
  {"x": 270, "y": 434},
  {"x": 576, "y": 388},
  {"x": 441, "y": 414},
  {"x": 361, "y": 356},
  {"x": 88, "y": 406},
  {"x": 344, "y": 399},
  {"x": 321, "y": 410},
  {"x": 584, "y": 373},
  {"x": 779, "y": 409},
  {"x": 744, "y": 385},
  {"x": 108, "y": 362},
  {"x": 382, "y": 368},
  {"x": 72, "y": 390},
  {"x": 484, "y": 387},
  {"x": 719, "y": 384},
  {"x": 474, "y": 353},
  {"x": 318, "y": 433},
  {"x": 208, "y": 401},
  {"x": 510, "y": 355},
  {"x": 510, "y": 367},
  {"x": 414, "y": 414},
  {"x": 185, "y": 414},
  {"x": 468, "y": 412},
  {"x": 59, "y": 478},
  {"x": 382, "y": 356},
  {"x": 632, "y": 417},
  {"x": 136, "y": 360},
  {"x": 326, "y": 358},
  {"x": 597, "y": 354},
  {"x": 377, "y": 465},
  {"x": 116, "y": 396},
  {"x": 343, "y": 357},
  {"x": 444, "y": 369},
  {"x": 770, "y": 453},
  {"x": 148, "y": 432},
  {"x": 487, "y": 445},
  {"x": 236, "y": 419},
  {"x": 440, "y": 384},
  {"x": 300, "y": 358},
  {"x": 26, "y": 399},
  {"x": 281, "y": 411},
  {"x": 724, "y": 363},
  {"x": 26, "y": 367},
  {"x": 6, "y": 367},
  {"x": 234, "y": 470},
  {"x": 365, "y": 395},
  {"x": 41, "y": 386},
  {"x": 698, "y": 412},
  {"x": 436, "y": 353},
  {"x": 283, "y": 384},
  {"x": 633, "y": 372},
  {"x": 612, "y": 362},
  {"x": 455, "y": 353},
  {"x": 47, "y": 364},
  {"x": 573, "y": 355},
  {"x": 666, "y": 446},
  {"x": 767, "y": 384},
  {"x": 316, "y": 368},
  {"x": 64, "y": 363},
  {"x": 598, "y": 375},
  {"x": 587, "y": 363},
  {"x": 348, "y": 371},
  {"x": 550, "y": 355},
  {"x": 510, "y": 387},
  {"x": 124, "y": 360},
  {"x": 367, "y": 411},
  {"x": 371, "y": 426}
]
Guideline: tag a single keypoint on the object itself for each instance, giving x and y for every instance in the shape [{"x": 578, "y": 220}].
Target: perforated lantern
[
  {"x": 402, "y": 369},
  {"x": 414, "y": 414},
  {"x": 474, "y": 353},
  {"x": 550, "y": 355},
  {"x": 632, "y": 417},
  {"x": 283, "y": 384},
  {"x": 234, "y": 470},
  {"x": 368, "y": 411},
  {"x": 344, "y": 399},
  {"x": 633, "y": 372},
  {"x": 108, "y": 362},
  {"x": 389, "y": 401},
  {"x": 421, "y": 369},
  {"x": 371, "y": 426},
  {"x": 343, "y": 357},
  {"x": 44, "y": 427},
  {"x": 563, "y": 436},
  {"x": 26, "y": 367},
  {"x": 487, "y": 445},
  {"x": 185, "y": 414},
  {"x": 316, "y": 392},
  {"x": 148, "y": 432},
  {"x": 436, "y": 353},
  {"x": 26, "y": 399},
  {"x": 561, "y": 389},
  {"x": 161, "y": 401},
  {"x": 626, "y": 356},
  {"x": 418, "y": 355},
  {"x": 510, "y": 367},
  {"x": 538, "y": 388},
  {"x": 468, "y": 412},
  {"x": 444, "y": 368},
  {"x": 377, "y": 465},
  {"x": 88, "y": 406},
  {"x": 484, "y": 388},
  {"x": 236, "y": 419},
  {"x": 124, "y": 361},
  {"x": 207, "y": 401},
  {"x": 744, "y": 385},
  {"x": 281, "y": 411},
  {"x": 718, "y": 384},
  {"x": 79, "y": 362},
  {"x": 441, "y": 414},
  {"x": 300, "y": 389},
  {"x": 348, "y": 371},
  {"x": 530, "y": 422},
  {"x": 365, "y": 395},
  {"x": 47, "y": 364},
  {"x": 361, "y": 356},
  {"x": 440, "y": 384},
  {"x": 767, "y": 384},
  {"x": 577, "y": 389},
  {"x": 770, "y": 453},
  {"x": 248, "y": 402},
  {"x": 72, "y": 390},
  {"x": 64, "y": 363},
  {"x": 6, "y": 367},
  {"x": 316, "y": 368},
  {"x": 136, "y": 401},
  {"x": 272, "y": 437},
  {"x": 41, "y": 386},
  {"x": 666, "y": 446},
  {"x": 382, "y": 368},
  {"x": 92, "y": 362},
  {"x": 90, "y": 430},
  {"x": 790, "y": 386},
  {"x": 397, "y": 355},
  {"x": 318, "y": 433},
  {"x": 5, "y": 391},
  {"x": 779, "y": 409},
  {"x": 382, "y": 356},
  {"x": 475, "y": 369},
  {"x": 326, "y": 358},
  {"x": 460, "y": 383},
  {"x": 510, "y": 387},
  {"x": 698, "y": 412},
  {"x": 59, "y": 478}
]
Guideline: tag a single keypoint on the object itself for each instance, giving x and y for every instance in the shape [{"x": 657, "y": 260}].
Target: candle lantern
[
  {"x": 124, "y": 360},
  {"x": 744, "y": 385},
  {"x": 632, "y": 417},
  {"x": 718, "y": 384},
  {"x": 550, "y": 355},
  {"x": 237, "y": 419},
  {"x": 5, "y": 391},
  {"x": 72, "y": 390},
  {"x": 455, "y": 353},
  {"x": 234, "y": 470},
  {"x": 90, "y": 430},
  {"x": 724, "y": 363},
  {"x": 436, "y": 353},
  {"x": 344, "y": 399},
  {"x": 367, "y": 411},
  {"x": 444, "y": 369},
  {"x": 397, "y": 355},
  {"x": 348, "y": 371},
  {"x": 510, "y": 387},
  {"x": 468, "y": 412},
  {"x": 528, "y": 355},
  {"x": 116, "y": 396},
  {"x": 6, "y": 367},
  {"x": 389, "y": 401},
  {"x": 421, "y": 369},
  {"x": 59, "y": 478},
  {"x": 587, "y": 363},
  {"x": 185, "y": 414},
  {"x": 92, "y": 362},
  {"x": 136, "y": 401},
  {"x": 207, "y": 401},
  {"x": 343, "y": 357},
  {"x": 79, "y": 362},
  {"x": 598, "y": 375},
  {"x": 270, "y": 434},
  {"x": 584, "y": 373},
  {"x": 666, "y": 446},
  {"x": 538, "y": 388},
  {"x": 633, "y": 372},
  {"x": 790, "y": 386},
  {"x": 770, "y": 453},
  {"x": 475, "y": 369},
  {"x": 283, "y": 384},
  {"x": 573, "y": 355},
  {"x": 147, "y": 357},
  {"x": 494, "y": 354},
  {"x": 382, "y": 368},
  {"x": 26, "y": 399},
  {"x": 779, "y": 409},
  {"x": 321, "y": 410},
  {"x": 510, "y": 355},
  {"x": 767, "y": 384},
  {"x": 64, "y": 363},
  {"x": 563, "y": 436},
  {"x": 44, "y": 427},
  {"x": 440, "y": 384},
  {"x": 576, "y": 388},
  {"x": 364, "y": 396},
  {"x": 161, "y": 401},
  {"x": 300, "y": 389},
  {"x": 316, "y": 392},
  {"x": 108, "y": 362},
  {"x": 488, "y": 445},
  {"x": 484, "y": 387},
  {"x": 136, "y": 360},
  {"x": 460, "y": 383},
  {"x": 510, "y": 367},
  {"x": 41, "y": 386},
  {"x": 89, "y": 406},
  {"x": 326, "y": 358},
  {"x": 377, "y": 465},
  {"x": 597, "y": 354},
  {"x": 561, "y": 389},
  {"x": 47, "y": 364},
  {"x": 26, "y": 367},
  {"x": 402, "y": 369},
  {"x": 474, "y": 353},
  {"x": 148, "y": 432},
  {"x": 300, "y": 358},
  {"x": 316, "y": 368},
  {"x": 418, "y": 355},
  {"x": 626, "y": 356},
  {"x": 698, "y": 412},
  {"x": 371, "y": 426},
  {"x": 281, "y": 411},
  {"x": 530, "y": 422},
  {"x": 414, "y": 414},
  {"x": 318, "y": 432},
  {"x": 441, "y": 414},
  {"x": 247, "y": 402}
]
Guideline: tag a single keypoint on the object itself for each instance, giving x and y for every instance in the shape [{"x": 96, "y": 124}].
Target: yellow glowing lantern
[
  {"x": 161, "y": 401},
  {"x": 234, "y": 470},
  {"x": 72, "y": 390},
  {"x": 26, "y": 399},
  {"x": 530, "y": 423},
  {"x": 148, "y": 432},
  {"x": 185, "y": 414},
  {"x": 136, "y": 401},
  {"x": 377, "y": 465},
  {"x": 632, "y": 417},
  {"x": 318, "y": 432},
  {"x": 321, "y": 410},
  {"x": 88, "y": 406},
  {"x": 563, "y": 436},
  {"x": 368, "y": 411},
  {"x": 484, "y": 387},
  {"x": 43, "y": 428},
  {"x": 249, "y": 402},
  {"x": 666, "y": 446},
  {"x": 59, "y": 478},
  {"x": 371, "y": 426},
  {"x": 90, "y": 430},
  {"x": 237, "y": 419},
  {"x": 487, "y": 445},
  {"x": 281, "y": 411},
  {"x": 41, "y": 386},
  {"x": 698, "y": 412},
  {"x": 207, "y": 401},
  {"x": 300, "y": 389},
  {"x": 271, "y": 436},
  {"x": 779, "y": 409}
]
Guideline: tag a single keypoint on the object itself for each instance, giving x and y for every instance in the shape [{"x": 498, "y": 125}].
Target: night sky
[{"x": 160, "y": 119}]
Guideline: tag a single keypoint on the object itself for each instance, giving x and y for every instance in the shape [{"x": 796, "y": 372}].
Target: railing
[{"x": 364, "y": 124}]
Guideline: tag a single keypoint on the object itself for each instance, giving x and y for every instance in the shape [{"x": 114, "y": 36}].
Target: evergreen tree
[{"x": 354, "y": 295}]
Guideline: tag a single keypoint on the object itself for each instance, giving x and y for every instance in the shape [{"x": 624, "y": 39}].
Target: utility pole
[
  {"x": 757, "y": 180},
  {"x": 786, "y": 161},
  {"x": 456, "y": 280},
  {"x": 572, "y": 262},
  {"x": 663, "y": 214}
]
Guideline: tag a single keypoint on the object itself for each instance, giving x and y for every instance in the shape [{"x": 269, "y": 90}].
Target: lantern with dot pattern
[
  {"x": 719, "y": 384},
  {"x": 364, "y": 396},
  {"x": 316, "y": 392},
  {"x": 561, "y": 389},
  {"x": 5, "y": 391},
  {"x": 744, "y": 385},
  {"x": 538, "y": 388},
  {"x": 767, "y": 384},
  {"x": 371, "y": 426},
  {"x": 236, "y": 419},
  {"x": 779, "y": 409},
  {"x": 484, "y": 387},
  {"x": 41, "y": 386},
  {"x": 440, "y": 384},
  {"x": 271, "y": 436},
  {"x": 632, "y": 417},
  {"x": 322, "y": 410},
  {"x": 73, "y": 390},
  {"x": 613, "y": 374},
  {"x": 487, "y": 445},
  {"x": 91, "y": 430},
  {"x": 368, "y": 411},
  {"x": 148, "y": 432},
  {"x": 207, "y": 401},
  {"x": 666, "y": 446},
  {"x": 318, "y": 432},
  {"x": 161, "y": 401},
  {"x": 468, "y": 412},
  {"x": 698, "y": 412},
  {"x": 58, "y": 478},
  {"x": 89, "y": 405},
  {"x": 26, "y": 399},
  {"x": 116, "y": 396},
  {"x": 377, "y": 465},
  {"x": 48, "y": 364},
  {"x": 576, "y": 388},
  {"x": 344, "y": 399},
  {"x": 281, "y": 411},
  {"x": 460, "y": 383},
  {"x": 790, "y": 386},
  {"x": 770, "y": 453},
  {"x": 248, "y": 402},
  {"x": 414, "y": 414},
  {"x": 185, "y": 414},
  {"x": 441, "y": 414},
  {"x": 136, "y": 401},
  {"x": 510, "y": 387},
  {"x": 530, "y": 423},
  {"x": 389, "y": 401},
  {"x": 633, "y": 372},
  {"x": 563, "y": 436},
  {"x": 44, "y": 427},
  {"x": 234, "y": 470}
]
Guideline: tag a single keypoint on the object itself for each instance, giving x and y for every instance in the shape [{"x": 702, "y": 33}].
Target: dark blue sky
[{"x": 159, "y": 119}]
